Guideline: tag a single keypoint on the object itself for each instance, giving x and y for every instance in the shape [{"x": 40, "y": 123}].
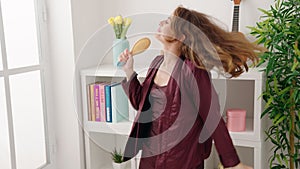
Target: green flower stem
[
  {"x": 119, "y": 30},
  {"x": 124, "y": 31},
  {"x": 116, "y": 30}
]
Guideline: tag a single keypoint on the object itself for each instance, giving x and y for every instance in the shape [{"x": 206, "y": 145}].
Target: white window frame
[{"x": 43, "y": 67}]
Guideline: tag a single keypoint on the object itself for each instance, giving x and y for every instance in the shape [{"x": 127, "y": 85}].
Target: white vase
[{"x": 119, "y": 165}]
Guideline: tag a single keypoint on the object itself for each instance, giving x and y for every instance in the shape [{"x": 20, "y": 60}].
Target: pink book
[
  {"x": 102, "y": 102},
  {"x": 97, "y": 102}
]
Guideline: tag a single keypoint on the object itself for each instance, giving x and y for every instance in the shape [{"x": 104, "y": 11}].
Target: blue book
[
  {"x": 116, "y": 102},
  {"x": 119, "y": 104},
  {"x": 108, "y": 101}
]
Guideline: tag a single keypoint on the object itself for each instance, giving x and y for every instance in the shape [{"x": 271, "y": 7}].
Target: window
[
  {"x": 23, "y": 131},
  {"x": 1, "y": 64},
  {"x": 20, "y": 31},
  {"x": 4, "y": 141}
]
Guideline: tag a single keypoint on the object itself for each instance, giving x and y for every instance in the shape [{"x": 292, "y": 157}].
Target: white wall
[
  {"x": 72, "y": 26},
  {"x": 90, "y": 15},
  {"x": 61, "y": 46}
]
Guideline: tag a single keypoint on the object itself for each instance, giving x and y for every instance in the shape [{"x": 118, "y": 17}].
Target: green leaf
[
  {"x": 296, "y": 49},
  {"x": 267, "y": 110},
  {"x": 278, "y": 4},
  {"x": 117, "y": 156},
  {"x": 261, "y": 40},
  {"x": 255, "y": 30},
  {"x": 276, "y": 118},
  {"x": 270, "y": 100},
  {"x": 265, "y": 12},
  {"x": 280, "y": 120},
  {"x": 275, "y": 84},
  {"x": 278, "y": 158},
  {"x": 295, "y": 65},
  {"x": 269, "y": 136},
  {"x": 284, "y": 158}
]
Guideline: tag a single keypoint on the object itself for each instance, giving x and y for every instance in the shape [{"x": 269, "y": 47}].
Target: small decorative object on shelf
[
  {"x": 120, "y": 43},
  {"x": 117, "y": 158},
  {"x": 236, "y": 120}
]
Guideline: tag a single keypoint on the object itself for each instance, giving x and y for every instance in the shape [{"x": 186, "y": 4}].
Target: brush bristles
[{"x": 140, "y": 46}]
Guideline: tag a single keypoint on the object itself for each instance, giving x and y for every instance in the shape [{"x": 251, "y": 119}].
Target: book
[
  {"x": 116, "y": 103},
  {"x": 119, "y": 104},
  {"x": 107, "y": 89},
  {"x": 102, "y": 101},
  {"x": 97, "y": 101},
  {"x": 89, "y": 104},
  {"x": 92, "y": 102}
]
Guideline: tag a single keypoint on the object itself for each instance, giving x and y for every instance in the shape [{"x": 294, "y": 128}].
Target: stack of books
[{"x": 107, "y": 102}]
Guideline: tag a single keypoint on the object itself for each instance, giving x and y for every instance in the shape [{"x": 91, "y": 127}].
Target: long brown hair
[{"x": 229, "y": 51}]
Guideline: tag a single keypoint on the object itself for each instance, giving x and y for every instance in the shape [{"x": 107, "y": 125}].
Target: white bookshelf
[{"x": 242, "y": 92}]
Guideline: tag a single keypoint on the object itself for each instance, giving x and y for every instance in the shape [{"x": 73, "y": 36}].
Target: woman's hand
[
  {"x": 127, "y": 59},
  {"x": 240, "y": 166}
]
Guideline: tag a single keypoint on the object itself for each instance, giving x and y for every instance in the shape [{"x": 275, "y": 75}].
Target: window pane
[
  {"x": 20, "y": 32},
  {"x": 4, "y": 138},
  {"x": 1, "y": 62},
  {"x": 28, "y": 120}
]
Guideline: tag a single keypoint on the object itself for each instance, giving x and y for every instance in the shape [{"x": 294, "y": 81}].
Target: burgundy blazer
[{"x": 195, "y": 113}]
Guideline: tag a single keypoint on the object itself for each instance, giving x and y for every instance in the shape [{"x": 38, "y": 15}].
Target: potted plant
[
  {"x": 279, "y": 32},
  {"x": 117, "y": 159}
]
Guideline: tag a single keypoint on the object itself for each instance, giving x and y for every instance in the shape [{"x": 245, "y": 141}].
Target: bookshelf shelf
[
  {"x": 244, "y": 135},
  {"x": 122, "y": 128},
  {"x": 242, "y": 92}
]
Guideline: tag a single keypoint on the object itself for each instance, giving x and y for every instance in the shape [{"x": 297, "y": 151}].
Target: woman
[{"x": 178, "y": 109}]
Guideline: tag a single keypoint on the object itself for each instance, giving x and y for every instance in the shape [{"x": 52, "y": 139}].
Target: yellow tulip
[
  {"x": 111, "y": 20},
  {"x": 118, "y": 20},
  {"x": 127, "y": 21},
  {"x": 120, "y": 25}
]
